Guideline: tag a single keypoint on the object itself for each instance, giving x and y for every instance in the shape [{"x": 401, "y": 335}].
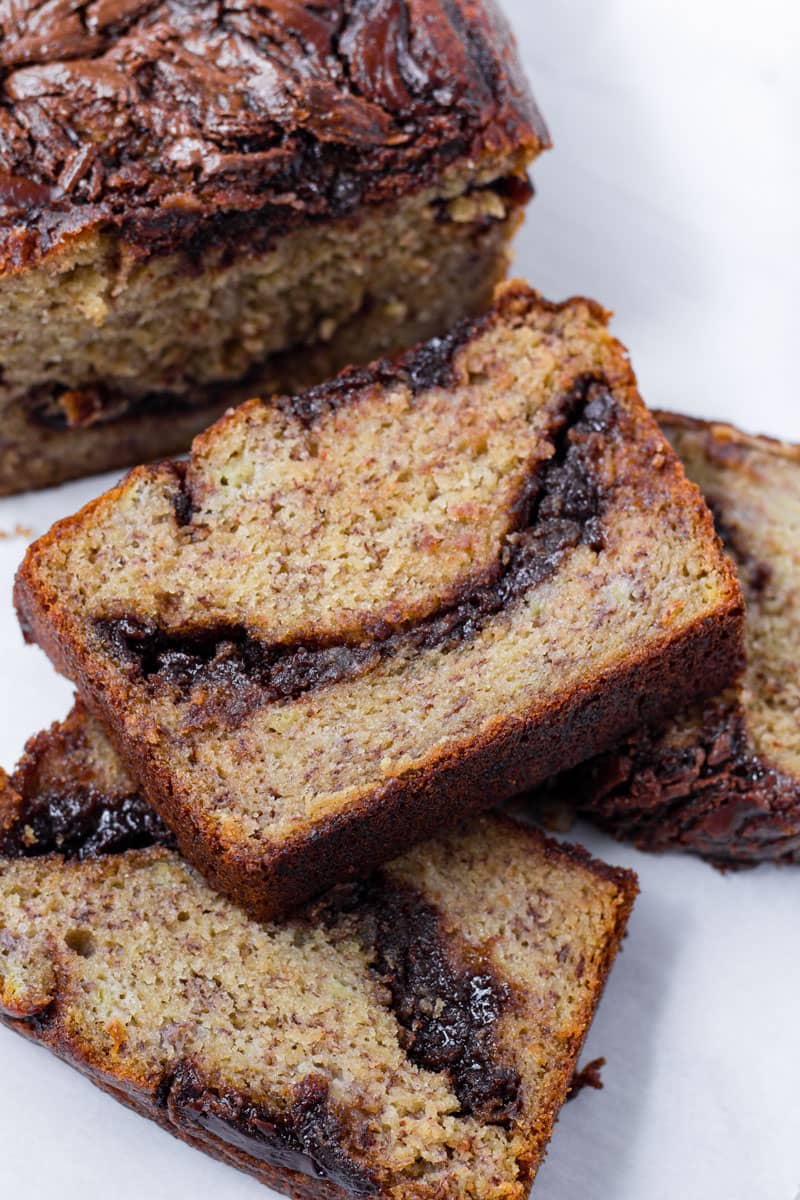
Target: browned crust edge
[{"x": 137, "y": 1095}]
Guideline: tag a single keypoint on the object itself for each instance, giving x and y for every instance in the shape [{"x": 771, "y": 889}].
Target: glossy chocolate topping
[
  {"x": 560, "y": 507},
  {"x": 164, "y": 119}
]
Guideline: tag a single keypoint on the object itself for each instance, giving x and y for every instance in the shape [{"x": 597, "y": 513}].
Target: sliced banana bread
[
  {"x": 356, "y": 614},
  {"x": 723, "y": 779},
  {"x": 412, "y": 1036},
  {"x": 189, "y": 193}
]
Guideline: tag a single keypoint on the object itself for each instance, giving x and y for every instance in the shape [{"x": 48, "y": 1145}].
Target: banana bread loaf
[
  {"x": 410, "y": 1037},
  {"x": 723, "y": 779},
  {"x": 358, "y": 613},
  {"x": 191, "y": 193}
]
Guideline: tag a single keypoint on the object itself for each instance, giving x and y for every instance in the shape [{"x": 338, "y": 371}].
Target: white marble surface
[{"x": 672, "y": 196}]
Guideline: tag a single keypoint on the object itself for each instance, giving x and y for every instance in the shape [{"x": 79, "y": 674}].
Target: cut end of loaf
[{"x": 348, "y": 210}]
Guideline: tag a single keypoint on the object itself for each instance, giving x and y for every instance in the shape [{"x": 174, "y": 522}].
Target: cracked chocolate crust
[
  {"x": 181, "y": 125},
  {"x": 713, "y": 797},
  {"x": 559, "y": 507}
]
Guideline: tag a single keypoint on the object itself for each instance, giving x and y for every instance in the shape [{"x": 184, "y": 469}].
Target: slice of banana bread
[
  {"x": 354, "y": 615},
  {"x": 189, "y": 193},
  {"x": 411, "y": 1037},
  {"x": 723, "y": 779}
]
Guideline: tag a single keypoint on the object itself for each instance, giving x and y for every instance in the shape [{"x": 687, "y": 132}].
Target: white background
[{"x": 671, "y": 196}]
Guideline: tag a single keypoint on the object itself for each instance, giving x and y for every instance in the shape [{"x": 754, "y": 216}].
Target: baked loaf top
[
  {"x": 356, "y": 612},
  {"x": 413, "y": 1036},
  {"x": 157, "y": 118},
  {"x": 723, "y": 779}
]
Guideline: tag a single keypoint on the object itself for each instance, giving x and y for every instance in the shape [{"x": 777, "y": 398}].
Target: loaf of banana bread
[
  {"x": 199, "y": 201},
  {"x": 358, "y": 613},
  {"x": 412, "y": 1036},
  {"x": 723, "y": 779}
]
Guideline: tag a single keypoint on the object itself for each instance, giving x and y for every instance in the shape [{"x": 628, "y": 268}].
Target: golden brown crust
[
  {"x": 681, "y": 663},
  {"x": 141, "y": 1097},
  {"x": 149, "y": 1097},
  {"x": 519, "y": 756}
]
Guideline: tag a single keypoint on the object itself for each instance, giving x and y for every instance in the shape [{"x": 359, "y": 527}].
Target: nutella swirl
[{"x": 156, "y": 118}]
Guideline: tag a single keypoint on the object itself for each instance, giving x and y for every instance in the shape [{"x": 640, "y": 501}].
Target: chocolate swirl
[{"x": 158, "y": 118}]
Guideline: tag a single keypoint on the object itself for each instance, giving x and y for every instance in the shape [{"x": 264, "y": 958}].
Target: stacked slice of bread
[
  {"x": 723, "y": 779},
  {"x": 355, "y": 615},
  {"x": 411, "y": 1036}
]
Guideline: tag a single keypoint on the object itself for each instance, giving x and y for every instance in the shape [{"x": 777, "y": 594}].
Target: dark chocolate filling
[
  {"x": 427, "y": 366},
  {"x": 560, "y": 508},
  {"x": 446, "y": 1010},
  {"x": 714, "y": 797},
  {"x": 446, "y": 1001},
  {"x": 82, "y": 824},
  {"x": 183, "y": 501},
  {"x": 307, "y": 1136}
]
